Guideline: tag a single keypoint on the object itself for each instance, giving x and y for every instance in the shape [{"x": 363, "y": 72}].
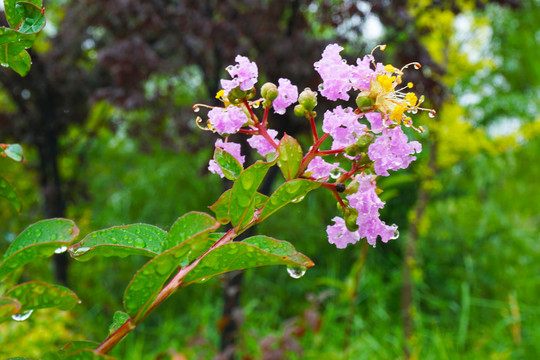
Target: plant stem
[{"x": 163, "y": 295}]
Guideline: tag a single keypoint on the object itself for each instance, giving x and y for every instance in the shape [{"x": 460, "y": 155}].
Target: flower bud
[
  {"x": 352, "y": 188},
  {"x": 365, "y": 101},
  {"x": 363, "y": 159},
  {"x": 351, "y": 215},
  {"x": 364, "y": 141},
  {"x": 236, "y": 95},
  {"x": 352, "y": 150},
  {"x": 339, "y": 207},
  {"x": 308, "y": 99},
  {"x": 269, "y": 91},
  {"x": 299, "y": 110}
]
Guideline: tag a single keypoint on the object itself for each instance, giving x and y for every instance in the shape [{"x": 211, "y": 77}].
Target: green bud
[
  {"x": 269, "y": 91},
  {"x": 363, "y": 159},
  {"x": 299, "y": 110},
  {"x": 352, "y": 188},
  {"x": 236, "y": 95},
  {"x": 308, "y": 99},
  {"x": 351, "y": 214},
  {"x": 365, "y": 101},
  {"x": 338, "y": 205},
  {"x": 364, "y": 141},
  {"x": 352, "y": 150}
]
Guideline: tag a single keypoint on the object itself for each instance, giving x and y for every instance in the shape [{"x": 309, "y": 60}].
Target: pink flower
[
  {"x": 391, "y": 151},
  {"x": 343, "y": 126},
  {"x": 244, "y": 75},
  {"x": 320, "y": 169},
  {"x": 227, "y": 121},
  {"x": 231, "y": 148},
  {"x": 263, "y": 146},
  {"x": 366, "y": 201},
  {"x": 375, "y": 119},
  {"x": 335, "y": 74},
  {"x": 287, "y": 95},
  {"x": 339, "y": 235},
  {"x": 362, "y": 73}
]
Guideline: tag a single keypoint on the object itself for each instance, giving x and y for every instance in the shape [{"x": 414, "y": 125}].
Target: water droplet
[
  {"x": 247, "y": 181},
  {"x": 334, "y": 174},
  {"x": 140, "y": 243},
  {"x": 196, "y": 108},
  {"x": 432, "y": 113},
  {"x": 23, "y": 316},
  {"x": 298, "y": 199},
  {"x": 60, "y": 250},
  {"x": 4, "y": 64},
  {"x": 414, "y": 111},
  {"x": 296, "y": 272},
  {"x": 396, "y": 235},
  {"x": 417, "y": 66},
  {"x": 114, "y": 240},
  {"x": 255, "y": 105}
]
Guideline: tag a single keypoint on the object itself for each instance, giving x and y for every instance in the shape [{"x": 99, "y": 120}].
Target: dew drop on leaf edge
[
  {"x": 296, "y": 272},
  {"x": 23, "y": 316}
]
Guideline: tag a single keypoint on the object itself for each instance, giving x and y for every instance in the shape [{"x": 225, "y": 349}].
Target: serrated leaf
[
  {"x": 8, "y": 307},
  {"x": 32, "y": 17},
  {"x": 221, "y": 207},
  {"x": 150, "y": 279},
  {"x": 13, "y": 151},
  {"x": 230, "y": 167},
  {"x": 290, "y": 156},
  {"x": 41, "y": 239},
  {"x": 252, "y": 252},
  {"x": 292, "y": 190},
  {"x": 135, "y": 239},
  {"x": 119, "y": 319},
  {"x": 9, "y": 193},
  {"x": 189, "y": 225},
  {"x": 35, "y": 295},
  {"x": 243, "y": 193}
]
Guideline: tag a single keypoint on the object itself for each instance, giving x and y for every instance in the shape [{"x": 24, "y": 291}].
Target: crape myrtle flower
[
  {"x": 244, "y": 75},
  {"x": 320, "y": 169},
  {"x": 391, "y": 151},
  {"x": 227, "y": 121},
  {"x": 339, "y": 235},
  {"x": 259, "y": 143},
  {"x": 343, "y": 127},
  {"x": 287, "y": 95},
  {"x": 367, "y": 203},
  {"x": 230, "y": 147}
]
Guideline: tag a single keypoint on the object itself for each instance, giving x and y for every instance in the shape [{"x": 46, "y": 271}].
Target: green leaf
[
  {"x": 252, "y": 252},
  {"x": 243, "y": 193},
  {"x": 135, "y": 239},
  {"x": 189, "y": 225},
  {"x": 221, "y": 207},
  {"x": 150, "y": 279},
  {"x": 229, "y": 165},
  {"x": 32, "y": 17},
  {"x": 41, "y": 239},
  {"x": 290, "y": 191},
  {"x": 119, "y": 319},
  {"x": 87, "y": 354},
  {"x": 290, "y": 156},
  {"x": 9, "y": 193},
  {"x": 8, "y": 307},
  {"x": 13, "y": 151},
  {"x": 35, "y": 295},
  {"x": 14, "y": 15}
]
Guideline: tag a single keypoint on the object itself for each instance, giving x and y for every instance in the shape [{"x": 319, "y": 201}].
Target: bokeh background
[{"x": 105, "y": 120}]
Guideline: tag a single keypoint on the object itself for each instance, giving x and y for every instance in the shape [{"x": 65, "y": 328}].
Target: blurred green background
[{"x": 105, "y": 120}]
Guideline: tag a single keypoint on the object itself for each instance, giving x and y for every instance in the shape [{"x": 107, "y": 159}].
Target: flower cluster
[{"x": 367, "y": 140}]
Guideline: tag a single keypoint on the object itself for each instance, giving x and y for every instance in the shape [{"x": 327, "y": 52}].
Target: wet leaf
[
  {"x": 9, "y": 193},
  {"x": 293, "y": 190},
  {"x": 150, "y": 279},
  {"x": 13, "y": 151},
  {"x": 229, "y": 165},
  {"x": 119, "y": 319},
  {"x": 13, "y": 15},
  {"x": 87, "y": 354},
  {"x": 290, "y": 156},
  {"x": 41, "y": 239},
  {"x": 221, "y": 207},
  {"x": 135, "y": 239},
  {"x": 35, "y": 295},
  {"x": 243, "y": 193},
  {"x": 8, "y": 307},
  {"x": 252, "y": 252},
  {"x": 188, "y": 226},
  {"x": 32, "y": 17}
]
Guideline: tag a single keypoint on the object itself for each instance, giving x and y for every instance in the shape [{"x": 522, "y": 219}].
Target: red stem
[{"x": 313, "y": 127}]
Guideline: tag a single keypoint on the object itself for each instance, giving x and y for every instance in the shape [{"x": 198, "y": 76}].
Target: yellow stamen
[
  {"x": 397, "y": 113},
  {"x": 386, "y": 82},
  {"x": 220, "y": 94},
  {"x": 411, "y": 99},
  {"x": 410, "y": 85}
]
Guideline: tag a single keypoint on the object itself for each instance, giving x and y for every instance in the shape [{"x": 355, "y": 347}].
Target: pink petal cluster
[
  {"x": 339, "y": 235},
  {"x": 343, "y": 126},
  {"x": 263, "y": 146},
  {"x": 287, "y": 95},
  {"x": 227, "y": 121},
  {"x": 366, "y": 201},
  {"x": 391, "y": 151},
  {"x": 244, "y": 75},
  {"x": 230, "y": 147},
  {"x": 375, "y": 119},
  {"x": 339, "y": 77},
  {"x": 320, "y": 169}
]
